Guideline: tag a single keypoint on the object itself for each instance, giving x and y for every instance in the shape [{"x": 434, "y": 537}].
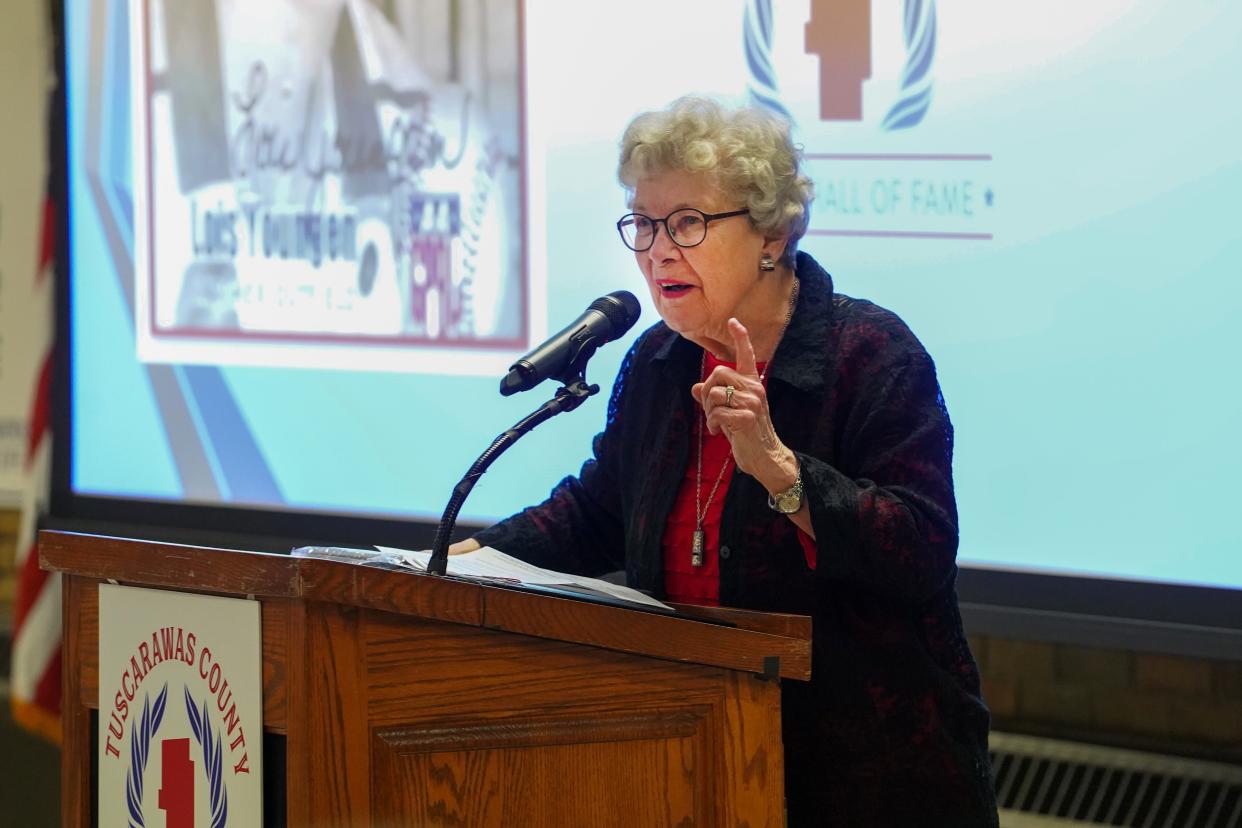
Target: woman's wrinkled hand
[
  {"x": 744, "y": 416},
  {"x": 463, "y": 546}
]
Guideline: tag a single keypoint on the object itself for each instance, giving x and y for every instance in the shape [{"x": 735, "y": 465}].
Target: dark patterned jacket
[{"x": 891, "y": 729}]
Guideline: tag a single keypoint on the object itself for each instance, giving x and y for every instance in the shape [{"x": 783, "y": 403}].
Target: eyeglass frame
[{"x": 708, "y": 218}]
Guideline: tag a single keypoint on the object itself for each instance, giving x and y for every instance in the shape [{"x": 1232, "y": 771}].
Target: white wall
[{"x": 25, "y": 316}]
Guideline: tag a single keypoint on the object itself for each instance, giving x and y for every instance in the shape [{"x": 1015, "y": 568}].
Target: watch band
[{"x": 788, "y": 502}]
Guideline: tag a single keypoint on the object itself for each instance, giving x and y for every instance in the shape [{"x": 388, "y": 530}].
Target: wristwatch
[{"x": 789, "y": 501}]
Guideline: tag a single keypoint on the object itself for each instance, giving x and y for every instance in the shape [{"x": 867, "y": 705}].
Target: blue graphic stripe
[
  {"x": 770, "y": 102},
  {"x": 757, "y": 44},
  {"x": 919, "y": 25},
  {"x": 909, "y": 111},
  {"x": 117, "y": 139},
  {"x": 201, "y": 435},
  {"x": 760, "y": 64},
  {"x": 240, "y": 460},
  {"x": 914, "y": 10},
  {"x": 921, "y": 60},
  {"x": 765, "y": 22}
]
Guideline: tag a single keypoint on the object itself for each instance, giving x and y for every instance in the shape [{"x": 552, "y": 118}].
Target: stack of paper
[{"x": 485, "y": 564}]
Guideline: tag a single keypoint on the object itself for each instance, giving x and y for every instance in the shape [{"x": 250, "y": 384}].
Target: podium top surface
[{"x": 769, "y": 644}]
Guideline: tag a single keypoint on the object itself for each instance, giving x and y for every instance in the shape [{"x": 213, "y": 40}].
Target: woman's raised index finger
[{"x": 745, "y": 351}]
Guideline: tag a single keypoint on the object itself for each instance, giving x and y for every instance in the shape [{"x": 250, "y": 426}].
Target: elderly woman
[{"x": 812, "y": 454}]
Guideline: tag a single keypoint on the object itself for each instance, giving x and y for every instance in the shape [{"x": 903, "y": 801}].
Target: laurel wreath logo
[
  {"x": 139, "y": 750},
  {"x": 757, "y": 35},
  {"x": 213, "y": 754},
  {"x": 919, "y": 29}
]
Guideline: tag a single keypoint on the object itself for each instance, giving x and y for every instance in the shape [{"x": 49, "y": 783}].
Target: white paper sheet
[{"x": 490, "y": 563}]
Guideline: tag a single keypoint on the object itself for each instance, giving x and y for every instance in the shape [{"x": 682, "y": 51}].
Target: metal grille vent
[{"x": 1071, "y": 783}]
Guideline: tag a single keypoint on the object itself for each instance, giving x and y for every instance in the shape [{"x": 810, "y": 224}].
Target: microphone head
[
  {"x": 607, "y": 319},
  {"x": 621, "y": 309}
]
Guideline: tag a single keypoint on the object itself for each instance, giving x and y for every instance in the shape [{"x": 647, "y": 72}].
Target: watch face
[{"x": 787, "y": 502}]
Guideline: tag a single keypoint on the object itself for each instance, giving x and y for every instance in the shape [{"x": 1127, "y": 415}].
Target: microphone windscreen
[{"x": 621, "y": 309}]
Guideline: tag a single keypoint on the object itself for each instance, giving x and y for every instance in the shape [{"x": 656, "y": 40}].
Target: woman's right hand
[{"x": 461, "y": 547}]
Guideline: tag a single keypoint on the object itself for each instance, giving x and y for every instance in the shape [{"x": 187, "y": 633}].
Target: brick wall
[{"x": 1144, "y": 701}]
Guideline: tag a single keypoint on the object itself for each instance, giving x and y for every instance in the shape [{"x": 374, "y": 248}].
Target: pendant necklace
[
  {"x": 700, "y": 509},
  {"x": 699, "y": 537}
]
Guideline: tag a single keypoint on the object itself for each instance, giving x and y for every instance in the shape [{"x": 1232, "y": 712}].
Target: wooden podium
[{"x": 414, "y": 700}]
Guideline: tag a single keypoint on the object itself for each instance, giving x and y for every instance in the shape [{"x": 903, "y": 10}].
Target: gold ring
[{"x": 728, "y": 396}]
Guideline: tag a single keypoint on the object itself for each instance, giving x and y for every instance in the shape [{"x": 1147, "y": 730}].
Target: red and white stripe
[{"x": 35, "y": 678}]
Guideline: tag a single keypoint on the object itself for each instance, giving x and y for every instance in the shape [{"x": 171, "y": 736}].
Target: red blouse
[{"x": 684, "y": 583}]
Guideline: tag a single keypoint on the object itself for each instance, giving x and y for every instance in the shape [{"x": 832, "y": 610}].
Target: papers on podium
[{"x": 487, "y": 565}]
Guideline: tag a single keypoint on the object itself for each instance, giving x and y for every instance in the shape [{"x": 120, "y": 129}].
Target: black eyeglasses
[{"x": 687, "y": 227}]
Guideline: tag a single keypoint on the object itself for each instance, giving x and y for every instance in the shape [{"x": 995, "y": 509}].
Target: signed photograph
[{"x": 338, "y": 172}]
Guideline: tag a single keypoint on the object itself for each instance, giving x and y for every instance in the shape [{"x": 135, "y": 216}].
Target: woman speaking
[{"x": 774, "y": 445}]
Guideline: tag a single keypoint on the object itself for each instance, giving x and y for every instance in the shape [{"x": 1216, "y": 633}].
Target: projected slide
[{"x": 309, "y": 238}]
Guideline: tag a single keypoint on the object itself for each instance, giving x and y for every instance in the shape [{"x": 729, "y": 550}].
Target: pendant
[{"x": 696, "y": 549}]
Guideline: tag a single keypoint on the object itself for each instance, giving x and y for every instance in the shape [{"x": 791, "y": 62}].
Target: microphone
[{"x": 565, "y": 355}]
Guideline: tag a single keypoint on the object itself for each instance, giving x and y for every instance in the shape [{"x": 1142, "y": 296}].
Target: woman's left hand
[{"x": 744, "y": 416}]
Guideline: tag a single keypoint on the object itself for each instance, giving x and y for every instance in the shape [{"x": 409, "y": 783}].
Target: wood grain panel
[
  {"x": 409, "y": 593},
  {"x": 452, "y": 671},
  {"x": 339, "y": 752},
  {"x": 275, "y": 619},
  {"x": 539, "y": 731},
  {"x": 751, "y": 753},
  {"x": 194, "y": 568},
  {"x": 507, "y": 774},
  {"x": 646, "y": 633},
  {"x": 76, "y": 807},
  {"x": 85, "y": 618},
  {"x": 298, "y": 778},
  {"x": 774, "y": 623}
]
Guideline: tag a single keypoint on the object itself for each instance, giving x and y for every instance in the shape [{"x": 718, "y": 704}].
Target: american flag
[{"x": 35, "y": 679}]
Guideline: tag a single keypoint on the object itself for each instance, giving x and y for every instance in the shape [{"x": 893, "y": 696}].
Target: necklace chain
[{"x": 698, "y": 540}]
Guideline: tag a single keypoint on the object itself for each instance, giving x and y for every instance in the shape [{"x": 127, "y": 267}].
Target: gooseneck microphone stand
[{"x": 573, "y": 394}]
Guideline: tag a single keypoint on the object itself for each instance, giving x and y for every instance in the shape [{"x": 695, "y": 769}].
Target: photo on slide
[{"x": 324, "y": 175}]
